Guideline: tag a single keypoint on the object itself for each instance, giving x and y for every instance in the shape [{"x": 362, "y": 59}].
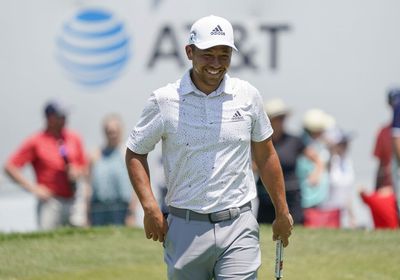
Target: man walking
[{"x": 209, "y": 124}]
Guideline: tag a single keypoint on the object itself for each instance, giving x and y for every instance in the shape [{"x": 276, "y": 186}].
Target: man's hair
[{"x": 193, "y": 47}]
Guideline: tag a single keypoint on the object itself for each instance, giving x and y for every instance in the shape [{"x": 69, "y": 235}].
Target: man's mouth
[{"x": 213, "y": 72}]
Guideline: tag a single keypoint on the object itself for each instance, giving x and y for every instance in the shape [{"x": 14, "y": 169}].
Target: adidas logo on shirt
[
  {"x": 237, "y": 116},
  {"x": 217, "y": 31}
]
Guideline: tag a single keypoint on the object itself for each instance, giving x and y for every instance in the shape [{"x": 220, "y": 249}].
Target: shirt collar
[
  {"x": 63, "y": 133},
  {"x": 186, "y": 86}
]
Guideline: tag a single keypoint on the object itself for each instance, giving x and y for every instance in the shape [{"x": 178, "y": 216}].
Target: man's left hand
[{"x": 282, "y": 228}]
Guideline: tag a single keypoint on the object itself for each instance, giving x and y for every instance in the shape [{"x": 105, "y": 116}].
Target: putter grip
[{"x": 279, "y": 259}]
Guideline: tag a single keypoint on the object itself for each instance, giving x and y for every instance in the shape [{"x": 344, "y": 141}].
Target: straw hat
[
  {"x": 276, "y": 107},
  {"x": 316, "y": 120}
]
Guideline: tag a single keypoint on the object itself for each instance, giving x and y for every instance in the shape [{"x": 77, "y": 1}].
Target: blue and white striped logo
[{"x": 93, "y": 46}]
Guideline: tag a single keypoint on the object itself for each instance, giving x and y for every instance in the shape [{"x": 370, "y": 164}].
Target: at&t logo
[{"x": 93, "y": 46}]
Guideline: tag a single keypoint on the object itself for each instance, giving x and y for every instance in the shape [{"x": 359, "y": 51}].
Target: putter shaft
[{"x": 279, "y": 259}]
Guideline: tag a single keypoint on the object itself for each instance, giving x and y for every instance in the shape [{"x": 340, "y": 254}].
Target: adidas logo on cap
[
  {"x": 211, "y": 31},
  {"x": 217, "y": 31}
]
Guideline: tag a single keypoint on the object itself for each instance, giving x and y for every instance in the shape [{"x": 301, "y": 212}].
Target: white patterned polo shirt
[{"x": 205, "y": 141}]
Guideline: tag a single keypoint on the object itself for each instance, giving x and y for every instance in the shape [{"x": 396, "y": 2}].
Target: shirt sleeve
[
  {"x": 149, "y": 129},
  {"x": 261, "y": 125},
  {"x": 24, "y": 154}
]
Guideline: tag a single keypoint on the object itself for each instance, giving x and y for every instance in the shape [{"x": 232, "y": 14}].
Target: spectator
[
  {"x": 383, "y": 147},
  {"x": 58, "y": 160},
  {"x": 313, "y": 193},
  {"x": 289, "y": 149},
  {"x": 111, "y": 201},
  {"x": 338, "y": 204},
  {"x": 396, "y": 143}
]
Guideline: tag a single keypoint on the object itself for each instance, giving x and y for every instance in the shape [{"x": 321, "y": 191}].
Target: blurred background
[{"x": 339, "y": 56}]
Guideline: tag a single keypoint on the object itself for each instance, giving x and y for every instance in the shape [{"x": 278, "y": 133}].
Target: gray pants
[
  {"x": 200, "y": 250},
  {"x": 54, "y": 212}
]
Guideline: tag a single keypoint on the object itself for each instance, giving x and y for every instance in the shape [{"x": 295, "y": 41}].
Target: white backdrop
[{"x": 339, "y": 55}]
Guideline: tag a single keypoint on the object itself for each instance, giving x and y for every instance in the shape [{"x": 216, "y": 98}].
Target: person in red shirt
[
  {"x": 383, "y": 148},
  {"x": 57, "y": 157},
  {"x": 383, "y": 152}
]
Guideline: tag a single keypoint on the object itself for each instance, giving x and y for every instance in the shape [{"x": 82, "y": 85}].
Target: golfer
[{"x": 209, "y": 124}]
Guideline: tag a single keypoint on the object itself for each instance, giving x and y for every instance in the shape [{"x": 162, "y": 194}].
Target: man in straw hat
[{"x": 315, "y": 123}]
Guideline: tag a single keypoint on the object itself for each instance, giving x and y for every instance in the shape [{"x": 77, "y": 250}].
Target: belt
[{"x": 216, "y": 217}]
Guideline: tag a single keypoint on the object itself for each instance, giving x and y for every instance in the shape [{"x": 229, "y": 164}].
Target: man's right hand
[
  {"x": 155, "y": 225},
  {"x": 42, "y": 192}
]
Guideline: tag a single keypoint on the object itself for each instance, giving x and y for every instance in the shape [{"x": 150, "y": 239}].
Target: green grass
[{"x": 123, "y": 253}]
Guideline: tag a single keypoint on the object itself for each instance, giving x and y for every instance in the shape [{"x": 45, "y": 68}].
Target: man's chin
[{"x": 215, "y": 79}]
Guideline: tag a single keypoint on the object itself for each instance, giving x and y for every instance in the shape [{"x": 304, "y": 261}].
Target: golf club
[{"x": 279, "y": 259}]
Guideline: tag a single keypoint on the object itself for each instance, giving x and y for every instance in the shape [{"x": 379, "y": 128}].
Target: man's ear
[{"x": 189, "y": 52}]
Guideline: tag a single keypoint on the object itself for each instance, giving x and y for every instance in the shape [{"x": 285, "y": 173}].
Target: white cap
[
  {"x": 276, "y": 107},
  {"x": 211, "y": 31},
  {"x": 316, "y": 120}
]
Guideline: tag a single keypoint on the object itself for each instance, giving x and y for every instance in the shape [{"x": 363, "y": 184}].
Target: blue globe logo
[{"x": 93, "y": 47}]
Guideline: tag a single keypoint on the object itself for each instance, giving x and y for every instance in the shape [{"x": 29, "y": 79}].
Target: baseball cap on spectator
[
  {"x": 211, "y": 31},
  {"x": 316, "y": 120},
  {"x": 55, "y": 107},
  {"x": 276, "y": 107},
  {"x": 393, "y": 95}
]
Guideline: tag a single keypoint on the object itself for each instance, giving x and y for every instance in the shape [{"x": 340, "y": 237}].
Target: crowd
[
  {"x": 64, "y": 170},
  {"x": 318, "y": 172}
]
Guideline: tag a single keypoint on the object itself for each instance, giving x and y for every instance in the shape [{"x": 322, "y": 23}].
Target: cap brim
[{"x": 210, "y": 44}]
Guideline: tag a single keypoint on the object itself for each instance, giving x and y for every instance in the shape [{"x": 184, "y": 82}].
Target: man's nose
[{"x": 215, "y": 62}]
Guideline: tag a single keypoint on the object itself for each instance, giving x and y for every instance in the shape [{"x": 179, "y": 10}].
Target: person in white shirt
[
  {"x": 337, "y": 206},
  {"x": 209, "y": 124}
]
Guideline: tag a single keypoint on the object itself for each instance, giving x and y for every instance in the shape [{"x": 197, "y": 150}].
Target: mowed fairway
[{"x": 122, "y": 253}]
